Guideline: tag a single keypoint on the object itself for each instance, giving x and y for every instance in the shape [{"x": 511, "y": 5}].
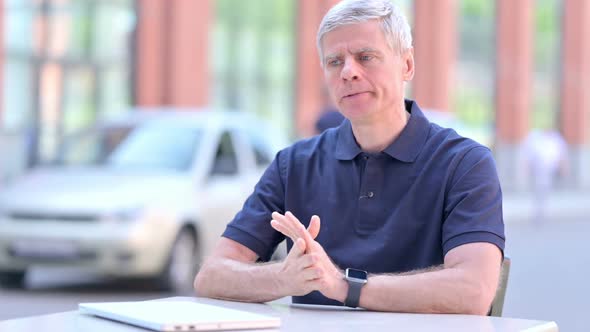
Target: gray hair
[{"x": 393, "y": 22}]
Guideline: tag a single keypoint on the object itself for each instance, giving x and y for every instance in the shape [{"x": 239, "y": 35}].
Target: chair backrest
[{"x": 498, "y": 303}]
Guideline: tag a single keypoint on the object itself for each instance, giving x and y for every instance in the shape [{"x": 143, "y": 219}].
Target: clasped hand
[{"x": 307, "y": 267}]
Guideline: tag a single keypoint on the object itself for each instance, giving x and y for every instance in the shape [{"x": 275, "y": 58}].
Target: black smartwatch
[{"x": 356, "y": 280}]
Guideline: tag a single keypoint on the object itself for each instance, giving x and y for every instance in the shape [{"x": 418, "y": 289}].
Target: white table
[{"x": 295, "y": 318}]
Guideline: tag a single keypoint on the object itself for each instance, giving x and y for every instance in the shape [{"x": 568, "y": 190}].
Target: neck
[{"x": 375, "y": 135}]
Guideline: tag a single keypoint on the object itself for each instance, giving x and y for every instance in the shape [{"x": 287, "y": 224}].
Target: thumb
[
  {"x": 314, "y": 226},
  {"x": 298, "y": 247}
]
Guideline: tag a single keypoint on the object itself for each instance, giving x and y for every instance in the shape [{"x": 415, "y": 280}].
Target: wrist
[
  {"x": 279, "y": 280},
  {"x": 341, "y": 290},
  {"x": 356, "y": 280}
]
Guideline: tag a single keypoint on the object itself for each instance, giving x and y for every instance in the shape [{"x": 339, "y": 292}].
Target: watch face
[{"x": 356, "y": 274}]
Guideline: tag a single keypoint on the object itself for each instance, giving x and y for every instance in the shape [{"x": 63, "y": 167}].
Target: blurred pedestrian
[
  {"x": 329, "y": 118},
  {"x": 546, "y": 156}
]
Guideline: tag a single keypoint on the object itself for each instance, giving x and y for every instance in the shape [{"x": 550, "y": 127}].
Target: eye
[
  {"x": 334, "y": 62},
  {"x": 366, "y": 57}
]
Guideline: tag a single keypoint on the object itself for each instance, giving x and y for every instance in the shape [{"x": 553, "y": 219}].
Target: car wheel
[
  {"x": 12, "y": 279},
  {"x": 179, "y": 273}
]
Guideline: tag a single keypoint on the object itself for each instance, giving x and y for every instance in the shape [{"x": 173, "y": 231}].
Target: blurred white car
[{"x": 145, "y": 195}]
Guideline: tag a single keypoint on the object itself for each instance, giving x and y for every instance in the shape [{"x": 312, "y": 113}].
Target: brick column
[
  {"x": 575, "y": 85},
  {"x": 150, "y": 53},
  {"x": 172, "y": 48},
  {"x": 311, "y": 95},
  {"x": 514, "y": 35},
  {"x": 188, "y": 60},
  {"x": 435, "y": 45}
]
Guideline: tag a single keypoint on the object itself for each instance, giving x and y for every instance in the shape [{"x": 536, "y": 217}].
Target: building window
[
  {"x": 546, "y": 75},
  {"x": 472, "y": 94},
  {"x": 253, "y": 58},
  {"x": 66, "y": 64}
]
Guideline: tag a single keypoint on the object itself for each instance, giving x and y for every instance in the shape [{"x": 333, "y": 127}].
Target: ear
[{"x": 408, "y": 59}]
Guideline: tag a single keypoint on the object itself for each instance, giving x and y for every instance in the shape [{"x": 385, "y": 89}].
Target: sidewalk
[{"x": 562, "y": 206}]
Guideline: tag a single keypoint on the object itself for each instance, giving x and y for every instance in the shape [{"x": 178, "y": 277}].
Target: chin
[{"x": 353, "y": 113}]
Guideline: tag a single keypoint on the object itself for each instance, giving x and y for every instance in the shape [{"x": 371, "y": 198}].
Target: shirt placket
[{"x": 369, "y": 195}]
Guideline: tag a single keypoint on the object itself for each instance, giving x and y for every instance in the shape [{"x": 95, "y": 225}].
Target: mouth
[{"x": 354, "y": 94}]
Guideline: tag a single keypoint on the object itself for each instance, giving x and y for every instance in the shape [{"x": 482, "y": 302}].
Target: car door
[
  {"x": 224, "y": 189},
  {"x": 253, "y": 157},
  {"x": 260, "y": 156}
]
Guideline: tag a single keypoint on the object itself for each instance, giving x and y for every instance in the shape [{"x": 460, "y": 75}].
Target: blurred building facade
[{"x": 506, "y": 65}]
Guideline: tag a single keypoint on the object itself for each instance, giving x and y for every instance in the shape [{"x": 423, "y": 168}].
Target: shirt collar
[
  {"x": 346, "y": 145},
  {"x": 405, "y": 148}
]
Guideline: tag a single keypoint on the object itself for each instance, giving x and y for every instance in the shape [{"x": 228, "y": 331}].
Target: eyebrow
[{"x": 366, "y": 50}]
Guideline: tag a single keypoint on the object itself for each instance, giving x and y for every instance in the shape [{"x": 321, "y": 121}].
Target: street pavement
[
  {"x": 560, "y": 206},
  {"x": 56, "y": 290},
  {"x": 549, "y": 273}
]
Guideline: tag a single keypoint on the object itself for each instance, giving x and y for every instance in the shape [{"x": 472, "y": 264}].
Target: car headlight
[{"x": 123, "y": 215}]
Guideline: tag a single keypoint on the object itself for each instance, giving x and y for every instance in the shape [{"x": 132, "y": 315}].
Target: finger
[
  {"x": 314, "y": 226},
  {"x": 298, "y": 248},
  {"x": 276, "y": 215},
  {"x": 311, "y": 273},
  {"x": 298, "y": 227},
  {"x": 300, "y": 230},
  {"x": 294, "y": 223},
  {"x": 279, "y": 227},
  {"x": 287, "y": 223},
  {"x": 308, "y": 260}
]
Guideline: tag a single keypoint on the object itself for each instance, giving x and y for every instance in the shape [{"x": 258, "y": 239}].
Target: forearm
[
  {"x": 442, "y": 290},
  {"x": 232, "y": 280}
]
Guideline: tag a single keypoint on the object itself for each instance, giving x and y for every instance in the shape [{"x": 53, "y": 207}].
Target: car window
[
  {"x": 226, "y": 161},
  {"x": 262, "y": 157},
  {"x": 91, "y": 147},
  {"x": 263, "y": 153},
  {"x": 161, "y": 146}
]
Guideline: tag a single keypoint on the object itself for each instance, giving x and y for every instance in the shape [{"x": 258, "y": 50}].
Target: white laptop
[{"x": 179, "y": 316}]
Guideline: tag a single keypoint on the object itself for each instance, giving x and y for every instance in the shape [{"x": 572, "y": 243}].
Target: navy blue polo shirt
[{"x": 401, "y": 209}]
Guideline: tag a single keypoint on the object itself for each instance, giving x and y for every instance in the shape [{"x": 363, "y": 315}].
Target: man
[
  {"x": 415, "y": 205},
  {"x": 545, "y": 153}
]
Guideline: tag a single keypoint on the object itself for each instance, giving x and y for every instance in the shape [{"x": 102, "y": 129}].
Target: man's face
[{"x": 364, "y": 75}]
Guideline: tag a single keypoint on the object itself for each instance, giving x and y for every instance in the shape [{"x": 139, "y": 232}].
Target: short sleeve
[
  {"x": 251, "y": 226},
  {"x": 473, "y": 204}
]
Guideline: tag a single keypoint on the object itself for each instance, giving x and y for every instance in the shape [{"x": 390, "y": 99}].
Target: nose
[{"x": 349, "y": 71}]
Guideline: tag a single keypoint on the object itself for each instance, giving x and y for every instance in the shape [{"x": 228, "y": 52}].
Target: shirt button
[{"x": 370, "y": 194}]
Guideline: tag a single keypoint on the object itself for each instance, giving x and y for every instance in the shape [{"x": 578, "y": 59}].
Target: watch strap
[{"x": 354, "y": 294}]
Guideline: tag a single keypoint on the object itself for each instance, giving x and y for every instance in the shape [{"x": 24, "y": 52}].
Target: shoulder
[
  {"x": 453, "y": 157},
  {"x": 310, "y": 148},
  {"x": 448, "y": 143}
]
